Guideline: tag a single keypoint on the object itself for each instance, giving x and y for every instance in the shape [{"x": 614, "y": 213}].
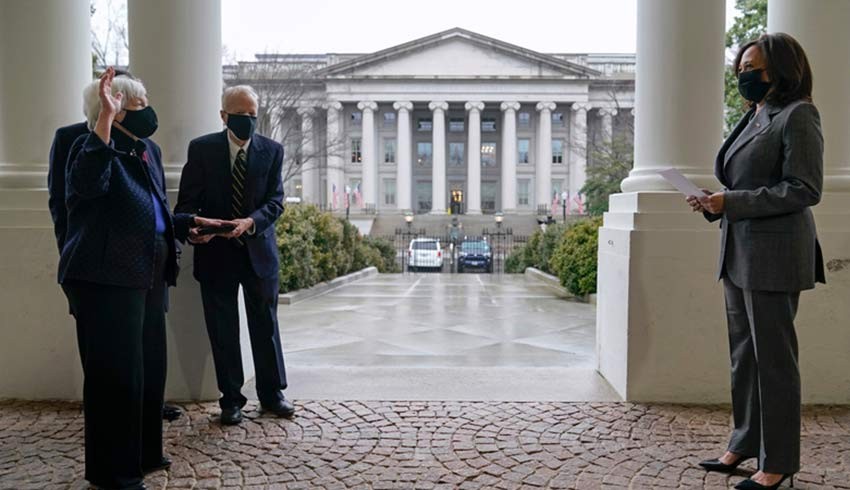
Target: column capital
[
  {"x": 333, "y": 105},
  {"x": 474, "y": 106},
  {"x": 403, "y": 106},
  {"x": 306, "y": 111},
  {"x": 367, "y": 105},
  {"x": 546, "y": 106},
  {"x": 509, "y": 106},
  {"x": 607, "y": 111},
  {"x": 580, "y": 106},
  {"x": 438, "y": 106}
]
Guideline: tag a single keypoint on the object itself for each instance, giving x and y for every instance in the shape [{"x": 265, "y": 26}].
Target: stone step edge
[{"x": 299, "y": 295}]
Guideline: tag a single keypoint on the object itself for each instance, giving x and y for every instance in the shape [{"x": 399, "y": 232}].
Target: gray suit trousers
[{"x": 765, "y": 377}]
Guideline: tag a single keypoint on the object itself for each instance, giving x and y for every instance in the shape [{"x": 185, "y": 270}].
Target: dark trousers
[
  {"x": 765, "y": 377},
  {"x": 122, "y": 340},
  {"x": 221, "y": 311}
]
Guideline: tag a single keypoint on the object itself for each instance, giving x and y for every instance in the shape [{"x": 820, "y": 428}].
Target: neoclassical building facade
[{"x": 453, "y": 122}]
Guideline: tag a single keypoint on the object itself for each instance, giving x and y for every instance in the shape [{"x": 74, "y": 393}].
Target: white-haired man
[{"x": 235, "y": 175}]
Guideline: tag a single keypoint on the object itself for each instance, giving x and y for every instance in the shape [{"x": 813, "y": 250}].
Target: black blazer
[
  {"x": 205, "y": 190},
  {"x": 60, "y": 150},
  {"x": 111, "y": 221}
]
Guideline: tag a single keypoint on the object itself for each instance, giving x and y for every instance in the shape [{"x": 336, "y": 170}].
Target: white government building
[{"x": 455, "y": 121}]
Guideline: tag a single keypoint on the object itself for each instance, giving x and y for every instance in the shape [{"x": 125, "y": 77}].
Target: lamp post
[
  {"x": 405, "y": 235},
  {"x": 564, "y": 196},
  {"x": 499, "y": 240},
  {"x": 499, "y": 217},
  {"x": 347, "y": 201}
]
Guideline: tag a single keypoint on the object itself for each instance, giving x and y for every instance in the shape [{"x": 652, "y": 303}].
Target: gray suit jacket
[{"x": 772, "y": 169}]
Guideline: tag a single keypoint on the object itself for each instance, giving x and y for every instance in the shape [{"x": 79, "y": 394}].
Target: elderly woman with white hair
[{"x": 116, "y": 263}]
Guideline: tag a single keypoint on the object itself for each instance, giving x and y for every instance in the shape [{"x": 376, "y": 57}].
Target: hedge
[{"x": 315, "y": 246}]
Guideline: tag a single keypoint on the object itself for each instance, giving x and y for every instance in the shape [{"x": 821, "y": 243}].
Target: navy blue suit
[
  {"x": 222, "y": 265},
  {"x": 59, "y": 152},
  {"x": 114, "y": 267}
]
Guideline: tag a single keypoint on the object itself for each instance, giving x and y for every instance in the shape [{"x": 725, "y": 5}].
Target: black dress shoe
[
  {"x": 163, "y": 464},
  {"x": 171, "y": 413},
  {"x": 754, "y": 485},
  {"x": 281, "y": 408},
  {"x": 231, "y": 416},
  {"x": 720, "y": 467}
]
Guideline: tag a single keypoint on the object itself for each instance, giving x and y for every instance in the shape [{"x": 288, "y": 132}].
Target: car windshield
[
  {"x": 424, "y": 245},
  {"x": 475, "y": 247}
]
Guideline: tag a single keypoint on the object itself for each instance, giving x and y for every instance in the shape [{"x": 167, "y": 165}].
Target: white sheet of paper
[{"x": 680, "y": 182}]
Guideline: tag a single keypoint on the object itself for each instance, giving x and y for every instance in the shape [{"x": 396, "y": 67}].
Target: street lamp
[
  {"x": 408, "y": 218},
  {"x": 499, "y": 217},
  {"x": 564, "y": 196}
]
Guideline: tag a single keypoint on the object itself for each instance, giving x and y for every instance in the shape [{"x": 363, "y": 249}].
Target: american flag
[
  {"x": 336, "y": 198},
  {"x": 347, "y": 197},
  {"x": 579, "y": 204},
  {"x": 555, "y": 201},
  {"x": 358, "y": 198}
]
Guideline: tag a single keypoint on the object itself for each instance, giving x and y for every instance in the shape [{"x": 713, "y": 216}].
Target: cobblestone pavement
[{"x": 424, "y": 445}]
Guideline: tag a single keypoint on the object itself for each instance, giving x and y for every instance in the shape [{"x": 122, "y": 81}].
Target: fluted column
[
  {"x": 679, "y": 112},
  {"x": 369, "y": 154},
  {"x": 336, "y": 155},
  {"x": 177, "y": 54},
  {"x": 438, "y": 141},
  {"x": 820, "y": 27},
  {"x": 473, "y": 160},
  {"x": 309, "y": 162},
  {"x": 404, "y": 156},
  {"x": 607, "y": 114},
  {"x": 509, "y": 156},
  {"x": 543, "y": 167},
  {"x": 578, "y": 151}
]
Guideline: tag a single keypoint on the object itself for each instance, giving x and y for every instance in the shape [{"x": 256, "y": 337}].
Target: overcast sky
[{"x": 364, "y": 26}]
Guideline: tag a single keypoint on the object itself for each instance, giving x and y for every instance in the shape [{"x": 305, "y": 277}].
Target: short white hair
[
  {"x": 130, "y": 87},
  {"x": 238, "y": 90}
]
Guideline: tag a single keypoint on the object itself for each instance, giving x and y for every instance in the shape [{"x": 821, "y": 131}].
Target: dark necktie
[{"x": 240, "y": 170}]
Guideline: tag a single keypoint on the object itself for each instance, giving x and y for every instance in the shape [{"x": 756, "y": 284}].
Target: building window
[
  {"x": 456, "y": 154},
  {"x": 488, "y": 124},
  {"x": 488, "y": 154},
  {"x": 423, "y": 154},
  {"x": 557, "y": 151},
  {"x": 424, "y": 124},
  {"x": 356, "y": 155},
  {"x": 298, "y": 188},
  {"x": 524, "y": 119},
  {"x": 557, "y": 188},
  {"x": 389, "y": 192},
  {"x": 557, "y": 118},
  {"x": 356, "y": 118},
  {"x": 488, "y": 196},
  {"x": 389, "y": 119},
  {"x": 389, "y": 151},
  {"x": 423, "y": 196},
  {"x": 456, "y": 125},
  {"x": 522, "y": 147},
  {"x": 355, "y": 196},
  {"x": 523, "y": 192}
]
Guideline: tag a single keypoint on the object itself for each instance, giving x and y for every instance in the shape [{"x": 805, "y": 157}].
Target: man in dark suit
[
  {"x": 60, "y": 153},
  {"x": 235, "y": 175}
]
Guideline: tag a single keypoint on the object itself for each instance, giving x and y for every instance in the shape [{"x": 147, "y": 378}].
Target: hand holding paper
[{"x": 681, "y": 183}]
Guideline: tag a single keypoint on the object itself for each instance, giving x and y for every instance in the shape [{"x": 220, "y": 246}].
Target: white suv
[{"x": 424, "y": 253}]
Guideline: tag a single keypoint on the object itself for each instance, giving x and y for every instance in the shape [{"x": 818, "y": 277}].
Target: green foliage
[
  {"x": 611, "y": 164},
  {"x": 574, "y": 260},
  {"x": 536, "y": 252},
  {"x": 748, "y": 25},
  {"x": 316, "y": 247}
]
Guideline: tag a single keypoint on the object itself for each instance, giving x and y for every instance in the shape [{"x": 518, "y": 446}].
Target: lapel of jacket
[
  {"x": 256, "y": 160},
  {"x": 759, "y": 126},
  {"x": 720, "y": 161}
]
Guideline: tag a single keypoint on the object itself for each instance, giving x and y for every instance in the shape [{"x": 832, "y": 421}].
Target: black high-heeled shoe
[
  {"x": 753, "y": 485},
  {"x": 720, "y": 467}
]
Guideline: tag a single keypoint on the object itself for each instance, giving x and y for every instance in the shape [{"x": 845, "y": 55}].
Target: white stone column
[
  {"x": 578, "y": 151},
  {"x": 404, "y": 156},
  {"x": 661, "y": 325},
  {"x": 473, "y": 160},
  {"x": 176, "y": 52},
  {"x": 438, "y": 141},
  {"x": 368, "y": 153},
  {"x": 543, "y": 167},
  {"x": 309, "y": 160},
  {"x": 509, "y": 156},
  {"x": 336, "y": 155},
  {"x": 821, "y": 28},
  {"x": 45, "y": 55},
  {"x": 607, "y": 114}
]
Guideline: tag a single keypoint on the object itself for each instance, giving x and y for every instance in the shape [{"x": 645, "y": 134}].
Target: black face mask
[
  {"x": 751, "y": 86},
  {"x": 242, "y": 126},
  {"x": 142, "y": 123}
]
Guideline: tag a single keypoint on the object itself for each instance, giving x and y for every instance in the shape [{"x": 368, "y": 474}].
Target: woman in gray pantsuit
[{"x": 771, "y": 167}]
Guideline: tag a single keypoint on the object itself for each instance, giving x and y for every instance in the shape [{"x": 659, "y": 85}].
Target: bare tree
[
  {"x": 284, "y": 86},
  {"x": 110, "y": 39}
]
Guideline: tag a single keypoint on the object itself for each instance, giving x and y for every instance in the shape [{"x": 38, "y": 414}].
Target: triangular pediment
[{"x": 457, "y": 53}]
